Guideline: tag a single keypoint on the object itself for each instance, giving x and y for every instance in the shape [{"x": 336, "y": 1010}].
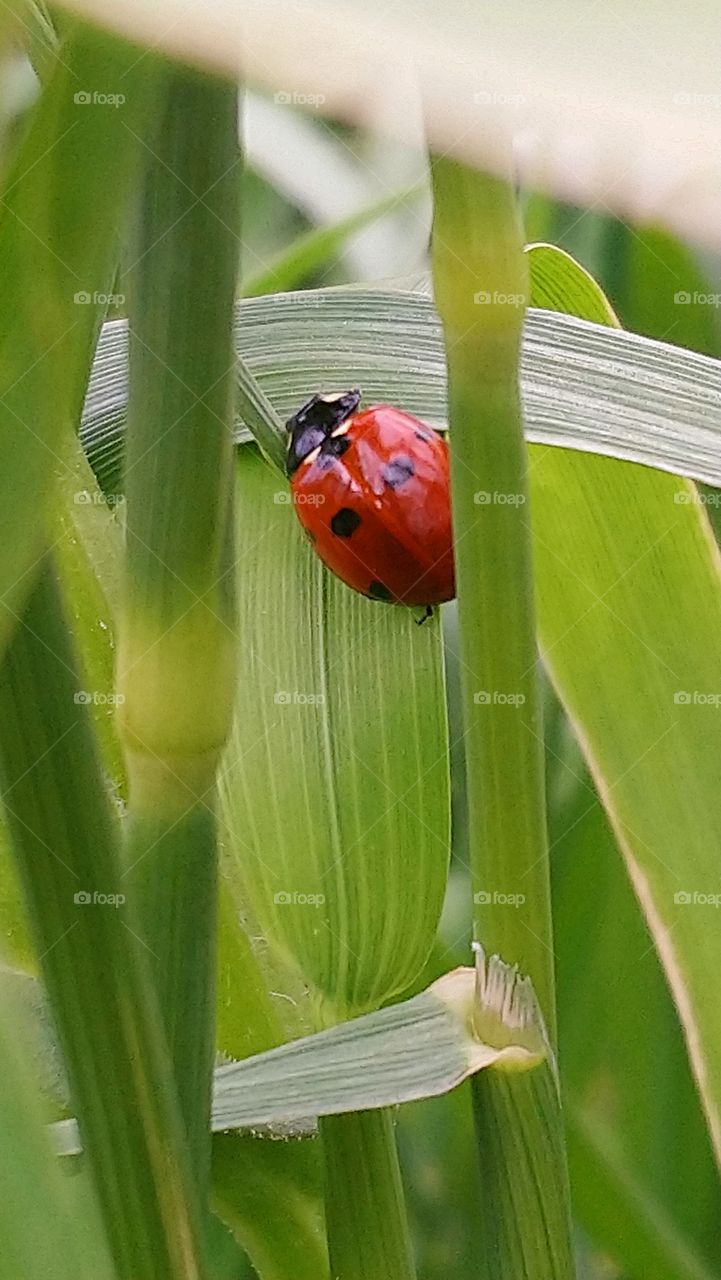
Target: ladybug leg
[{"x": 427, "y": 613}]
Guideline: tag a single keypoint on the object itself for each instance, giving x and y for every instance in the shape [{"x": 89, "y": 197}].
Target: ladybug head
[{"x": 317, "y": 420}]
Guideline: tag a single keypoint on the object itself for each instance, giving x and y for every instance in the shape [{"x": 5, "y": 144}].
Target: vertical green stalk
[
  {"x": 64, "y": 202},
  {"x": 481, "y": 291},
  {"x": 481, "y": 286},
  {"x": 176, "y": 650},
  {"x": 65, "y": 843},
  {"x": 365, "y": 1212}
]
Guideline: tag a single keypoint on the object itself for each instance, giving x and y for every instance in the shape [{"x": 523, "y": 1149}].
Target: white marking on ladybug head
[{"x": 310, "y": 457}]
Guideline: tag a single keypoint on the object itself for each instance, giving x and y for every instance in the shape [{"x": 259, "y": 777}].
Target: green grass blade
[
  {"x": 176, "y": 638},
  {"x": 40, "y": 38},
  {"x": 43, "y": 1234},
  {"x": 583, "y": 385},
  {"x": 312, "y": 251},
  {"x": 629, "y": 611},
  {"x": 657, "y": 283},
  {"x": 269, "y": 1192},
  {"x": 261, "y": 418},
  {"x": 63, "y": 202},
  {"x": 64, "y": 840},
  {"x": 558, "y": 283},
  {"x": 667, "y": 1155},
  {"x": 619, "y": 1212},
  {"x": 87, "y": 548}
]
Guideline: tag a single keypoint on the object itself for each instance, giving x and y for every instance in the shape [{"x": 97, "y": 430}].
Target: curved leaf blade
[
  {"x": 628, "y": 578},
  {"x": 584, "y": 386}
]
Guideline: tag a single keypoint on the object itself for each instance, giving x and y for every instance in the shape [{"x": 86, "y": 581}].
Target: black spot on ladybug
[
  {"x": 334, "y": 447},
  {"x": 379, "y": 591},
  {"x": 421, "y": 435},
  {"x": 345, "y": 522},
  {"x": 398, "y": 471}
]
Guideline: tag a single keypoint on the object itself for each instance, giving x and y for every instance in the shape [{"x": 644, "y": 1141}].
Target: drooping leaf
[{"x": 585, "y": 386}]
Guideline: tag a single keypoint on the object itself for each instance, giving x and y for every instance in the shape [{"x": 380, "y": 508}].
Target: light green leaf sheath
[
  {"x": 335, "y": 784},
  {"x": 468, "y": 1020}
]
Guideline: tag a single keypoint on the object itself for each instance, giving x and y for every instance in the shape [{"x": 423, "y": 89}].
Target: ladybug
[{"x": 371, "y": 490}]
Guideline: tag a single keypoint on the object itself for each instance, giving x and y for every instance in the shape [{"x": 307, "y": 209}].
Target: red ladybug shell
[{"x": 371, "y": 490}]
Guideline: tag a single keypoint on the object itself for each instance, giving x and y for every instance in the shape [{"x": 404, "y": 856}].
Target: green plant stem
[
  {"x": 66, "y": 848},
  {"x": 478, "y": 254},
  {"x": 65, "y": 197},
  {"x": 481, "y": 291},
  {"x": 366, "y": 1222},
  {"x": 176, "y": 651},
  {"x": 175, "y": 885},
  {"x": 524, "y": 1213}
]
